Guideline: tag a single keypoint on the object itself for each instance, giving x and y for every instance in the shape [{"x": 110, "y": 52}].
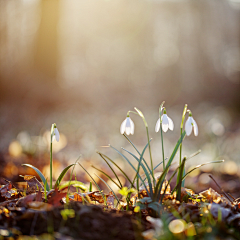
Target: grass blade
[
  {"x": 176, "y": 149},
  {"x": 180, "y": 179},
  {"x": 120, "y": 187},
  {"x": 200, "y": 165},
  {"x": 141, "y": 156},
  {"x": 39, "y": 174},
  {"x": 159, "y": 184},
  {"x": 62, "y": 175},
  {"x": 95, "y": 184},
  {"x": 131, "y": 166},
  {"x": 144, "y": 169},
  {"x": 158, "y": 187},
  {"x": 109, "y": 188},
  {"x": 105, "y": 158},
  {"x": 75, "y": 184}
]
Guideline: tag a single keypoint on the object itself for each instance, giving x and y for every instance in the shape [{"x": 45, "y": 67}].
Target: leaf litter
[{"x": 30, "y": 213}]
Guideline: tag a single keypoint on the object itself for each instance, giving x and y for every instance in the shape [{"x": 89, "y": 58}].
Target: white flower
[
  {"x": 191, "y": 123},
  {"x": 167, "y": 123},
  {"x": 127, "y": 126},
  {"x": 55, "y": 134}
]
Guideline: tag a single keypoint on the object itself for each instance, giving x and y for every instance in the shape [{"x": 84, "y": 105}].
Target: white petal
[
  {"x": 195, "y": 127},
  {"x": 157, "y": 127},
  {"x": 56, "y": 134},
  {"x": 165, "y": 122},
  {"x": 128, "y": 126},
  {"x": 132, "y": 126},
  {"x": 188, "y": 126},
  {"x": 123, "y": 126},
  {"x": 128, "y": 122},
  {"x": 171, "y": 125},
  {"x": 128, "y": 130}
]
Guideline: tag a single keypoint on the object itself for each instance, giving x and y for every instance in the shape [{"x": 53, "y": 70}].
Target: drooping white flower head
[
  {"x": 166, "y": 121},
  {"x": 127, "y": 126},
  {"x": 56, "y": 134},
  {"x": 191, "y": 124}
]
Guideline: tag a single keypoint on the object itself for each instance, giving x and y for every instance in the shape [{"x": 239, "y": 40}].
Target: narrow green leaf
[
  {"x": 198, "y": 166},
  {"x": 176, "y": 148},
  {"x": 158, "y": 187},
  {"x": 141, "y": 156},
  {"x": 131, "y": 166},
  {"x": 120, "y": 187},
  {"x": 144, "y": 169},
  {"x": 105, "y": 158},
  {"x": 39, "y": 174},
  {"x": 75, "y": 184},
  {"x": 163, "y": 175},
  {"x": 109, "y": 188},
  {"x": 131, "y": 143},
  {"x": 62, "y": 175},
  {"x": 95, "y": 184},
  {"x": 179, "y": 180},
  {"x": 112, "y": 171}
]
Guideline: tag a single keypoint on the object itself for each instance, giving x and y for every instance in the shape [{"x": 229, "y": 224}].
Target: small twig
[
  {"x": 224, "y": 193},
  {"x": 232, "y": 197}
]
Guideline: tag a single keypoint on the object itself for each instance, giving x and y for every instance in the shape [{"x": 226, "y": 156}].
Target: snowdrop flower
[
  {"x": 56, "y": 135},
  {"x": 166, "y": 121},
  {"x": 127, "y": 126},
  {"x": 191, "y": 123}
]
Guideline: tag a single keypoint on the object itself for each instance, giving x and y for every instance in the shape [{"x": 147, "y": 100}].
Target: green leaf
[
  {"x": 141, "y": 156},
  {"x": 106, "y": 176},
  {"x": 105, "y": 158},
  {"x": 39, "y": 174},
  {"x": 132, "y": 167},
  {"x": 176, "y": 149},
  {"x": 179, "y": 179},
  {"x": 200, "y": 165},
  {"x": 104, "y": 199},
  {"x": 155, "y": 206},
  {"x": 144, "y": 169},
  {"x": 111, "y": 170},
  {"x": 75, "y": 184},
  {"x": 109, "y": 188},
  {"x": 62, "y": 175}
]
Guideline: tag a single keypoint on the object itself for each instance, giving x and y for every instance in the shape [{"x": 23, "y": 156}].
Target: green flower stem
[
  {"x": 52, "y": 128},
  {"x": 160, "y": 113},
  {"x": 180, "y": 149},
  {"x": 162, "y": 147},
  {"x": 181, "y": 127},
  {"x": 181, "y": 172},
  {"x": 149, "y": 146}
]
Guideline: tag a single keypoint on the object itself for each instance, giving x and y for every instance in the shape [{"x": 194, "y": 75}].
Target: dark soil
[{"x": 91, "y": 222}]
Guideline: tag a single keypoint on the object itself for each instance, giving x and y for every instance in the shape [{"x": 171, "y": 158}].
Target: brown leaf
[
  {"x": 22, "y": 202},
  {"x": 213, "y": 196},
  {"x": 33, "y": 183},
  {"x": 39, "y": 196},
  {"x": 56, "y": 197},
  {"x": 91, "y": 196},
  {"x": 5, "y": 189}
]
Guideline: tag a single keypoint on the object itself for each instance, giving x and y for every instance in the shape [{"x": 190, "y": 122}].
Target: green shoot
[{"x": 95, "y": 184}]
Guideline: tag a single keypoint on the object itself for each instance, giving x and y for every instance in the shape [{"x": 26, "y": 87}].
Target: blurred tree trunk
[{"x": 46, "y": 48}]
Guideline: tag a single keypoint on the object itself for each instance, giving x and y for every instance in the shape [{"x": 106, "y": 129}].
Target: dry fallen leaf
[{"x": 33, "y": 183}]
